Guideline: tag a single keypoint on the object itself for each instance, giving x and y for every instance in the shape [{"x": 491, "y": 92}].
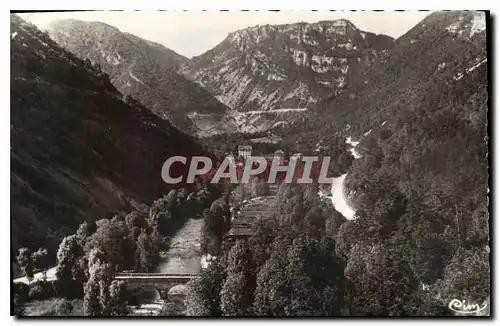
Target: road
[{"x": 51, "y": 276}]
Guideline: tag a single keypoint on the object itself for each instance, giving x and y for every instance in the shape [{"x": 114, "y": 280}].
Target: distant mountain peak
[
  {"x": 259, "y": 33},
  {"x": 288, "y": 66},
  {"x": 468, "y": 25},
  {"x": 464, "y": 24},
  {"x": 141, "y": 68}
]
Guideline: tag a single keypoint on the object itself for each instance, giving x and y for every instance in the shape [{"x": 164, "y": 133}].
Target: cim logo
[
  {"x": 180, "y": 170},
  {"x": 464, "y": 308}
]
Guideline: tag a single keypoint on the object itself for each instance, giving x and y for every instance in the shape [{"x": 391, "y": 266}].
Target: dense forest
[
  {"x": 408, "y": 133},
  {"x": 421, "y": 233},
  {"x": 88, "y": 259},
  {"x": 307, "y": 260},
  {"x": 80, "y": 150}
]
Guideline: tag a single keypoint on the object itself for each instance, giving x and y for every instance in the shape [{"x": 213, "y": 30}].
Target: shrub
[
  {"x": 63, "y": 307},
  {"x": 22, "y": 291},
  {"x": 40, "y": 290}
]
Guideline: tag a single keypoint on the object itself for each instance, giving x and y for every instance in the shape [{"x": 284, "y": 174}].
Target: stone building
[{"x": 245, "y": 151}]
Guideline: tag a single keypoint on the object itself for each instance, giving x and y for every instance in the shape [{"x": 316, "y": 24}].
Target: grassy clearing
[{"x": 48, "y": 307}]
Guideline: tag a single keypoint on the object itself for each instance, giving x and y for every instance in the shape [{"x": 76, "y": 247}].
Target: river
[{"x": 183, "y": 255}]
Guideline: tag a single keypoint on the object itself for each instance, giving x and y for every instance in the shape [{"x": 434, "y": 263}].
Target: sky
[{"x": 191, "y": 33}]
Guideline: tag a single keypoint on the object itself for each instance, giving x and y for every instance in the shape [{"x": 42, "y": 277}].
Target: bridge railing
[{"x": 154, "y": 275}]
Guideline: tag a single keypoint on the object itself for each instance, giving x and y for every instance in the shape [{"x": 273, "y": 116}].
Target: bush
[
  {"x": 170, "y": 309},
  {"x": 40, "y": 290},
  {"x": 63, "y": 307},
  {"x": 22, "y": 291},
  {"x": 18, "y": 306}
]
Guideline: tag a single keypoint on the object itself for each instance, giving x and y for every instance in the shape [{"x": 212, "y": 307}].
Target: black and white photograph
[{"x": 243, "y": 163}]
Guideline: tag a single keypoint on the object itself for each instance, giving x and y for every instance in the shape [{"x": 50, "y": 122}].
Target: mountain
[
  {"x": 143, "y": 69},
  {"x": 417, "y": 128},
  {"x": 284, "y": 67},
  {"x": 263, "y": 86},
  {"x": 441, "y": 57},
  {"x": 422, "y": 114},
  {"x": 80, "y": 150}
]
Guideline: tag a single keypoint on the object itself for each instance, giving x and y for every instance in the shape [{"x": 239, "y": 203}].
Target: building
[
  {"x": 245, "y": 151},
  {"x": 279, "y": 154}
]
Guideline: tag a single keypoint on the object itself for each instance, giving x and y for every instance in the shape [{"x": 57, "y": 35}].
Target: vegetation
[
  {"x": 53, "y": 307},
  {"x": 203, "y": 293},
  {"x": 257, "y": 187},
  {"x": 89, "y": 259},
  {"x": 79, "y": 152},
  {"x": 226, "y": 143},
  {"x": 155, "y": 82},
  {"x": 25, "y": 261},
  {"x": 395, "y": 259},
  {"x": 259, "y": 279},
  {"x": 420, "y": 233},
  {"x": 216, "y": 222},
  {"x": 64, "y": 307}
]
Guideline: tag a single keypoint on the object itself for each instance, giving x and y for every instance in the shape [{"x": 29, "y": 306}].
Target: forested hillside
[
  {"x": 406, "y": 124},
  {"x": 431, "y": 58},
  {"x": 80, "y": 150},
  {"x": 140, "y": 68},
  {"x": 418, "y": 182}
]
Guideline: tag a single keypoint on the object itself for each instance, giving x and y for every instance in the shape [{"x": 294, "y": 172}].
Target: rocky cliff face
[
  {"x": 293, "y": 66},
  {"x": 439, "y": 57},
  {"x": 267, "y": 75},
  {"x": 143, "y": 69}
]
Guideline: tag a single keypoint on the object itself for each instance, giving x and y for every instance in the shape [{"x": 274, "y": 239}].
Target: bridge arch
[
  {"x": 162, "y": 283},
  {"x": 143, "y": 293}
]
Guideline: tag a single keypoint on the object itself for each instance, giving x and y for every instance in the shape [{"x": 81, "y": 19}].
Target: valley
[
  {"x": 252, "y": 90},
  {"x": 403, "y": 229}
]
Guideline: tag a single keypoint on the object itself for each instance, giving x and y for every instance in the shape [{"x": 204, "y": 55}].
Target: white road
[{"x": 51, "y": 275}]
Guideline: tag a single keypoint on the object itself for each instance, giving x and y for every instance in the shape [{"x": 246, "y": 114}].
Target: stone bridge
[{"x": 160, "y": 281}]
